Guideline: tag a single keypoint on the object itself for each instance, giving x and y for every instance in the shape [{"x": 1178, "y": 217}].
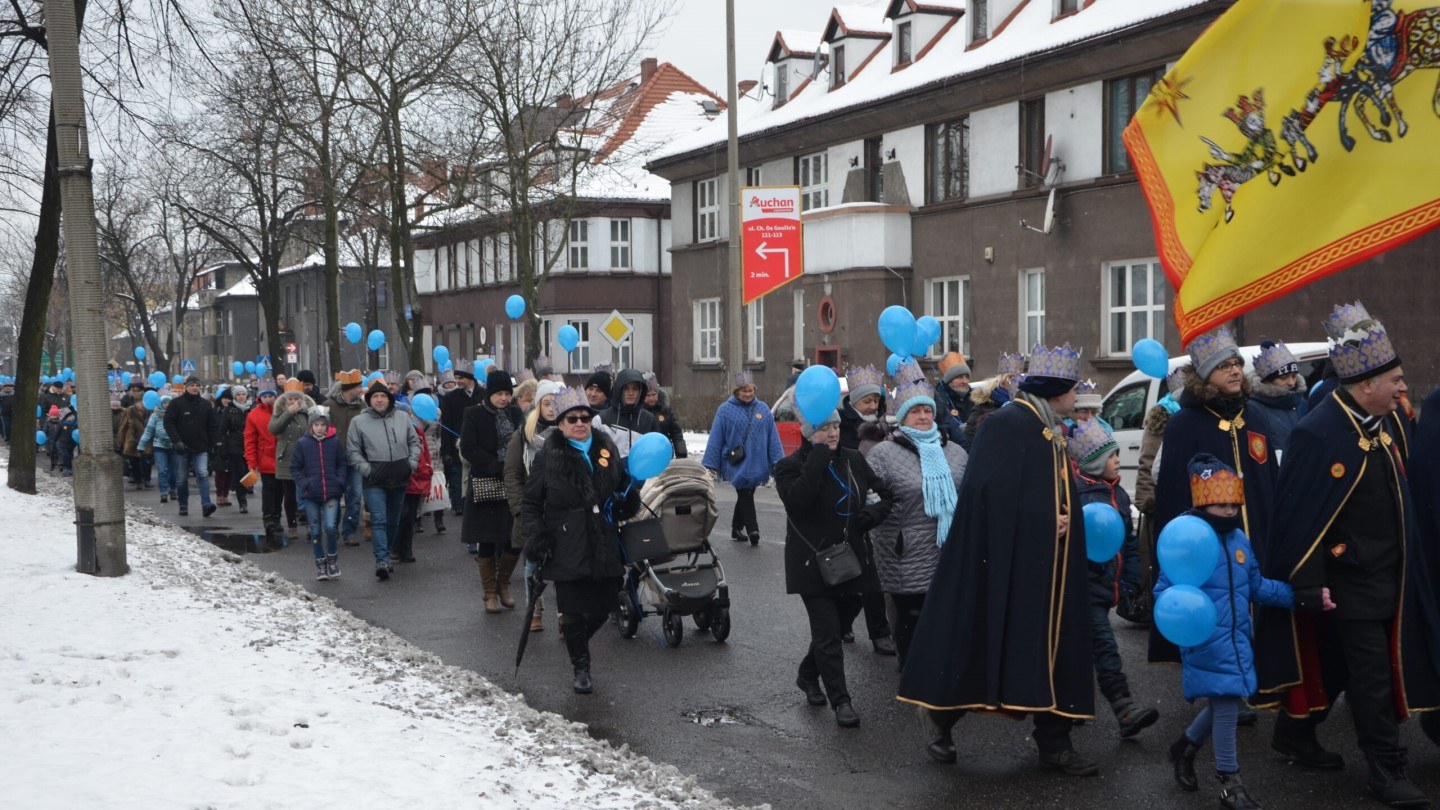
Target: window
[
  {"x": 453, "y": 267},
  {"x": 707, "y": 211},
  {"x": 782, "y": 82},
  {"x": 579, "y": 247},
  {"x": 1066, "y": 7},
  {"x": 948, "y": 157},
  {"x": 903, "y": 44},
  {"x": 837, "y": 65},
  {"x": 874, "y": 170},
  {"x": 798, "y": 338},
  {"x": 1125, "y": 409},
  {"x": 623, "y": 357},
  {"x": 950, "y": 305},
  {"x": 620, "y": 244},
  {"x": 580, "y": 358},
  {"x": 753, "y": 176},
  {"x": 707, "y": 330},
  {"x": 979, "y": 20},
  {"x": 1134, "y": 304},
  {"x": 1122, "y": 98},
  {"x": 380, "y": 300},
  {"x": 814, "y": 174},
  {"x": 755, "y": 323},
  {"x": 1032, "y": 143},
  {"x": 1032, "y": 308}
]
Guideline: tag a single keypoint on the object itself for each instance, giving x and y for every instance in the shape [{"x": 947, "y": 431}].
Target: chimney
[
  {"x": 746, "y": 86},
  {"x": 648, "y": 66},
  {"x": 564, "y": 101}
]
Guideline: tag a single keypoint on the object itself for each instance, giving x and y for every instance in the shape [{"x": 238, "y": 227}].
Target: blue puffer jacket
[
  {"x": 319, "y": 468},
  {"x": 762, "y": 443},
  {"x": 1224, "y": 665}
]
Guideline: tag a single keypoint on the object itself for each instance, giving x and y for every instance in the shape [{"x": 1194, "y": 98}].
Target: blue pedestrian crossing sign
[
  {"x": 187, "y": 367},
  {"x": 263, "y": 360}
]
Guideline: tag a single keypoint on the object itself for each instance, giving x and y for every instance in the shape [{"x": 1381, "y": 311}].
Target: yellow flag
[{"x": 1294, "y": 139}]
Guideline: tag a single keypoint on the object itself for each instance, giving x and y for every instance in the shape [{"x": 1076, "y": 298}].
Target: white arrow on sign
[{"x": 763, "y": 251}]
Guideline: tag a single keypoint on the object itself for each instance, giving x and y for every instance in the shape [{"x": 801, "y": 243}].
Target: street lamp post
[{"x": 734, "y": 356}]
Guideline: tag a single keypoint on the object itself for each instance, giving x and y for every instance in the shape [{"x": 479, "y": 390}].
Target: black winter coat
[
  {"x": 821, "y": 511},
  {"x": 231, "y": 444},
  {"x": 669, "y": 425},
  {"x": 634, "y": 418},
  {"x": 851, "y": 423},
  {"x": 452, "y": 416},
  {"x": 952, "y": 413},
  {"x": 191, "y": 423},
  {"x": 479, "y": 441},
  {"x": 570, "y": 509}
]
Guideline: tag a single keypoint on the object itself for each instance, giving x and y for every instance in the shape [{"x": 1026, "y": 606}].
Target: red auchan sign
[{"x": 772, "y": 250}]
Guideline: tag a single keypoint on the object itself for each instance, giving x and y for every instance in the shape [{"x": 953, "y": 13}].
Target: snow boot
[
  {"x": 440, "y": 521},
  {"x": 1182, "y": 755},
  {"x": 322, "y": 572},
  {"x": 577, "y": 643},
  {"x": 1391, "y": 785},
  {"x": 1232, "y": 792},
  {"x": 1133, "y": 719},
  {"x": 242, "y": 504},
  {"x": 487, "y": 582},
  {"x": 332, "y": 565},
  {"x": 506, "y": 570}
]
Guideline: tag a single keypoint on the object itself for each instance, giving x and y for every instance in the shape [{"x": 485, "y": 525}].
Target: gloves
[
  {"x": 539, "y": 549},
  {"x": 1307, "y": 600}
]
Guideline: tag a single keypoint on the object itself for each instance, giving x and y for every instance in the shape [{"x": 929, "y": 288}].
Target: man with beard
[{"x": 952, "y": 398}]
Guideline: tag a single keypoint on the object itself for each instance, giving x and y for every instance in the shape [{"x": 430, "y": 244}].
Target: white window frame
[
  {"x": 837, "y": 66},
  {"x": 580, "y": 357},
  {"x": 979, "y": 14},
  {"x": 705, "y": 326},
  {"x": 904, "y": 43},
  {"x": 782, "y": 82},
  {"x": 579, "y": 240},
  {"x": 950, "y": 314},
  {"x": 1153, "y": 309},
  {"x": 707, "y": 210},
  {"x": 755, "y": 327},
  {"x": 1032, "y": 311},
  {"x": 620, "y": 244},
  {"x": 754, "y": 176},
  {"x": 813, "y": 174},
  {"x": 798, "y": 337}
]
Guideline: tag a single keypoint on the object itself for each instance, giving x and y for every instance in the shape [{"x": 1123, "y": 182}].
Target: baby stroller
[{"x": 663, "y": 546}]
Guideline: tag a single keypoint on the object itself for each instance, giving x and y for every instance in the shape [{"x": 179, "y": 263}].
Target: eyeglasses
[
  {"x": 1229, "y": 364},
  {"x": 575, "y": 420}
]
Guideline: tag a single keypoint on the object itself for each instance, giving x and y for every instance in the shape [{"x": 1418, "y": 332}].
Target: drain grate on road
[{"x": 721, "y": 716}]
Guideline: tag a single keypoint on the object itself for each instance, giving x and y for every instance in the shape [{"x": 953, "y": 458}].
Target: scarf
[
  {"x": 584, "y": 448},
  {"x": 939, "y": 487},
  {"x": 1221, "y": 525},
  {"x": 1047, "y": 413},
  {"x": 504, "y": 428},
  {"x": 1368, "y": 423}
]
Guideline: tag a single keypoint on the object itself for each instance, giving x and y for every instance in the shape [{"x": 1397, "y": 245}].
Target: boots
[
  {"x": 502, "y": 583},
  {"x": 332, "y": 565},
  {"x": 1232, "y": 792},
  {"x": 1391, "y": 785},
  {"x": 536, "y": 619},
  {"x": 487, "y": 581},
  {"x": 440, "y": 521},
  {"x": 322, "y": 572},
  {"x": 240, "y": 500},
  {"x": 1182, "y": 754},
  {"x": 1133, "y": 719},
  {"x": 577, "y": 643}
]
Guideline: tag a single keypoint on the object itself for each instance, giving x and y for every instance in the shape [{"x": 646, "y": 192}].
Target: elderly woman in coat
[
  {"x": 922, "y": 467},
  {"x": 825, "y": 488},
  {"x": 744, "y": 445},
  {"x": 577, "y": 492}
]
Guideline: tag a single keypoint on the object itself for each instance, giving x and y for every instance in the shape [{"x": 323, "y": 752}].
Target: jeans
[
  {"x": 385, "y": 506},
  {"x": 163, "y": 459},
  {"x": 744, "y": 518},
  {"x": 1218, "y": 720},
  {"x": 200, "y": 463},
  {"x": 453, "y": 483},
  {"x": 825, "y": 660},
  {"x": 329, "y": 512},
  {"x": 1108, "y": 672},
  {"x": 350, "y": 523}
]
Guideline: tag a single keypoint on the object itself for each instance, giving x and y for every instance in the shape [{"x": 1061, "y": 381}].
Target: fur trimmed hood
[
  {"x": 1156, "y": 420},
  {"x": 1260, "y": 388},
  {"x": 1198, "y": 391}
]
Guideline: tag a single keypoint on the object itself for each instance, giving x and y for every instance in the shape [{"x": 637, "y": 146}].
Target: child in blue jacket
[
  {"x": 319, "y": 468},
  {"x": 1222, "y": 668}
]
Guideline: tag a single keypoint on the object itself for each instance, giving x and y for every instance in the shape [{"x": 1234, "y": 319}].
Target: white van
[{"x": 1127, "y": 403}]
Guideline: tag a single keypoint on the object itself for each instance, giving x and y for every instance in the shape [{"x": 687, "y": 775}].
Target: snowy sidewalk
[{"x": 199, "y": 681}]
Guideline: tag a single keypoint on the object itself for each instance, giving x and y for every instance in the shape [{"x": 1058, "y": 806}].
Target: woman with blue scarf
[{"x": 923, "y": 468}]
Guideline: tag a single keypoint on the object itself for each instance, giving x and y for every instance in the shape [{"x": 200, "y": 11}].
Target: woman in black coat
[
  {"x": 824, "y": 488},
  {"x": 577, "y": 491},
  {"x": 228, "y": 459},
  {"x": 484, "y": 440}
]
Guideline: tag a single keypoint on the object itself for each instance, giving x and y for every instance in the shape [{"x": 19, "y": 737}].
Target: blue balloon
[
  {"x": 1150, "y": 357},
  {"x": 446, "y": 366},
  {"x": 75, "y": 435},
  {"x": 125, "y": 378},
  {"x": 425, "y": 407},
  {"x": 376, "y": 340},
  {"x": 515, "y": 307},
  {"x": 927, "y": 334},
  {"x": 1188, "y": 550},
  {"x": 249, "y": 366},
  {"x": 441, "y": 355},
  {"x": 69, "y": 373},
  {"x": 484, "y": 364},
  {"x": 1104, "y": 532},
  {"x": 151, "y": 400},
  {"x": 40, "y": 437},
  {"x": 237, "y": 368},
  {"x": 353, "y": 332},
  {"x": 897, "y": 329},
  {"x": 1185, "y": 615},
  {"x": 157, "y": 379},
  {"x": 649, "y": 456},
  {"x": 893, "y": 364},
  {"x": 73, "y": 402},
  {"x": 39, "y": 411},
  {"x": 817, "y": 393},
  {"x": 177, "y": 379},
  {"x": 139, "y": 352},
  {"x": 568, "y": 337}
]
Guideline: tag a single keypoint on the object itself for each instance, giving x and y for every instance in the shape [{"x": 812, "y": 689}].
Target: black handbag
[
  {"x": 644, "y": 540},
  {"x": 486, "y": 490},
  {"x": 736, "y": 455},
  {"x": 837, "y": 564}
]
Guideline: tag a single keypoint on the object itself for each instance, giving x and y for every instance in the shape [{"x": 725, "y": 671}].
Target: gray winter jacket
[
  {"x": 383, "y": 447},
  {"x": 906, "y": 551}
]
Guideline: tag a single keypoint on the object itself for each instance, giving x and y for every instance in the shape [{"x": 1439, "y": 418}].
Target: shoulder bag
[
  {"x": 486, "y": 490},
  {"x": 736, "y": 455},
  {"x": 836, "y": 564}
]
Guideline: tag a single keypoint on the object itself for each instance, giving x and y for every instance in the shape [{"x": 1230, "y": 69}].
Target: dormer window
[
  {"x": 837, "y": 66},
  {"x": 979, "y": 20},
  {"x": 782, "y": 83},
  {"x": 904, "y": 49},
  {"x": 1063, "y": 7}
]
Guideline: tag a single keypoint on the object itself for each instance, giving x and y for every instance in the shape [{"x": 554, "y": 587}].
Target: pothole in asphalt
[
  {"x": 721, "y": 716},
  {"x": 239, "y": 542}
]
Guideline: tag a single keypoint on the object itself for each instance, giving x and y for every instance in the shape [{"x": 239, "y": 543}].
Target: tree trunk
[
  {"x": 402, "y": 248},
  {"x": 332, "y": 250},
  {"x": 32, "y": 322}
]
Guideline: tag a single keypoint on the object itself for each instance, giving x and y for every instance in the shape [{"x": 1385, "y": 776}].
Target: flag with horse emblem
[{"x": 1294, "y": 139}]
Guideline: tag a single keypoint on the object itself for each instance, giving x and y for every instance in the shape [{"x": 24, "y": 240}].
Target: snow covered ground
[
  {"x": 695, "y": 443},
  {"x": 200, "y": 681}
]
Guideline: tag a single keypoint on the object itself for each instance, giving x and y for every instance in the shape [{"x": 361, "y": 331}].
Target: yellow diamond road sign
[{"x": 615, "y": 329}]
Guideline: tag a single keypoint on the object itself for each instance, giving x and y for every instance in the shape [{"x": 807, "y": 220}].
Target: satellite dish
[{"x": 1048, "y": 224}]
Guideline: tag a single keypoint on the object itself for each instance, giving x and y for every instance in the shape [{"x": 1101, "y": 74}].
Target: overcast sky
[{"x": 695, "y": 39}]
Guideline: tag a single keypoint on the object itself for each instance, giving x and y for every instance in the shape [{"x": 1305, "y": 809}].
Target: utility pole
[
  {"x": 734, "y": 353},
  {"x": 99, "y": 502}
]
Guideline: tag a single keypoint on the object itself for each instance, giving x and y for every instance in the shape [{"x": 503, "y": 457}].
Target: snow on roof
[
  {"x": 1032, "y": 31},
  {"x": 244, "y": 288},
  {"x": 943, "y": 6},
  {"x": 857, "y": 21},
  {"x": 796, "y": 43}
]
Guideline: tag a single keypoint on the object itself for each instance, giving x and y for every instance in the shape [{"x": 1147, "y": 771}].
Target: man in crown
[
  {"x": 1345, "y": 534},
  {"x": 1278, "y": 389},
  {"x": 1013, "y": 567}
]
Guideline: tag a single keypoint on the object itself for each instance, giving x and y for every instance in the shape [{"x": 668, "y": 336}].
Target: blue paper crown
[
  {"x": 1275, "y": 359},
  {"x": 1089, "y": 441},
  {"x": 908, "y": 372},
  {"x": 569, "y": 399},
  {"x": 1205, "y": 347},
  {"x": 1060, "y": 363},
  {"x": 910, "y": 389},
  {"x": 1087, "y": 394},
  {"x": 857, "y": 377},
  {"x": 741, "y": 379},
  {"x": 1359, "y": 344},
  {"x": 1010, "y": 364}
]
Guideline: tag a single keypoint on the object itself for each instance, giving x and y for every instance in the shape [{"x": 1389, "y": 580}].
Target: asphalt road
[{"x": 729, "y": 713}]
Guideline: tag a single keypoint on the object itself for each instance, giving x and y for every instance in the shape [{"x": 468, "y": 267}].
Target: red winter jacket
[
  {"x": 259, "y": 442},
  {"x": 420, "y": 479}
]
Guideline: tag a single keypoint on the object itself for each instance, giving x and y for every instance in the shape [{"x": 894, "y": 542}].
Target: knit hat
[
  {"x": 910, "y": 394},
  {"x": 54, "y": 412},
  {"x": 319, "y": 413},
  {"x": 1208, "y": 351},
  {"x": 498, "y": 379},
  {"x": 864, "y": 381},
  {"x": 808, "y": 430},
  {"x": 1087, "y": 395},
  {"x": 547, "y": 388},
  {"x": 600, "y": 379},
  {"x": 224, "y": 393},
  {"x": 1212, "y": 481},
  {"x": 192, "y": 380},
  {"x": 953, "y": 365},
  {"x": 415, "y": 375},
  {"x": 350, "y": 379},
  {"x": 1090, "y": 446},
  {"x": 293, "y": 385},
  {"x": 305, "y": 376},
  {"x": 570, "y": 399},
  {"x": 377, "y": 387}
]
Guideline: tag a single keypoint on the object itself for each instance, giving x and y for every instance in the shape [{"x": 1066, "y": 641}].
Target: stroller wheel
[
  {"x": 719, "y": 623},
  {"x": 629, "y": 621},
  {"x": 674, "y": 629},
  {"x": 702, "y": 618}
]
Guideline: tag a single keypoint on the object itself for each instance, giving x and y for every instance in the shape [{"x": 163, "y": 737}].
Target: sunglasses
[{"x": 571, "y": 419}]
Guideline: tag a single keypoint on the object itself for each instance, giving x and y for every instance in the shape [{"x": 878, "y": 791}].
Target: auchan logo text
[{"x": 773, "y": 205}]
